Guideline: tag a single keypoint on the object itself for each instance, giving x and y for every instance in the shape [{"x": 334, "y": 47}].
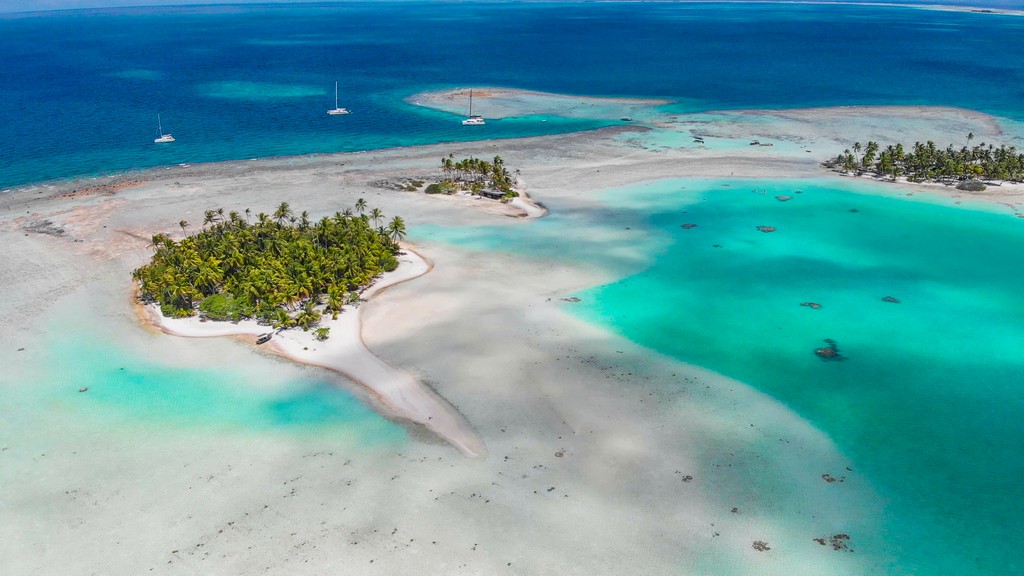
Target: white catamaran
[
  {"x": 473, "y": 120},
  {"x": 337, "y": 109},
  {"x": 160, "y": 131}
]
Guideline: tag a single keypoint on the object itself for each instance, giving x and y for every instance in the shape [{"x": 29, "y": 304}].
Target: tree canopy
[
  {"x": 278, "y": 269},
  {"x": 925, "y": 162}
]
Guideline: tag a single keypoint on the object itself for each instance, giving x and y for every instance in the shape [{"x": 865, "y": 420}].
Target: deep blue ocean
[{"x": 81, "y": 89}]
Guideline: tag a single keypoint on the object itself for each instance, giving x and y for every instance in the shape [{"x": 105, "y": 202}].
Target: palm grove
[
  {"x": 925, "y": 162},
  {"x": 474, "y": 175},
  {"x": 277, "y": 269}
]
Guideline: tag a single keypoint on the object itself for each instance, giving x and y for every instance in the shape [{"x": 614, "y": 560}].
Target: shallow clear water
[
  {"x": 928, "y": 398},
  {"x": 133, "y": 385},
  {"x": 81, "y": 89}
]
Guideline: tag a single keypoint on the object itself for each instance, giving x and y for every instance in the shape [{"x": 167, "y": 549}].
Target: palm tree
[
  {"x": 180, "y": 292},
  {"x": 283, "y": 211},
  {"x": 235, "y": 261},
  {"x": 376, "y": 215},
  {"x": 448, "y": 165},
  {"x": 360, "y": 205},
  {"x": 282, "y": 319},
  {"x": 158, "y": 241},
  {"x": 309, "y": 317},
  {"x": 183, "y": 224},
  {"x": 396, "y": 229},
  {"x": 869, "y": 154},
  {"x": 335, "y": 301}
]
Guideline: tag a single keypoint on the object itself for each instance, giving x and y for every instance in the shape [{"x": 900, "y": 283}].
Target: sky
[{"x": 33, "y": 5}]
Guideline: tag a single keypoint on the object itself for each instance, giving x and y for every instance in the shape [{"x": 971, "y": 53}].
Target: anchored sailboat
[
  {"x": 160, "y": 131},
  {"x": 337, "y": 109},
  {"x": 473, "y": 120}
]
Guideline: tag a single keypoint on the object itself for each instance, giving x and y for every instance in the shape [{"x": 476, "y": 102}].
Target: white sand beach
[
  {"x": 588, "y": 454},
  {"x": 344, "y": 352}
]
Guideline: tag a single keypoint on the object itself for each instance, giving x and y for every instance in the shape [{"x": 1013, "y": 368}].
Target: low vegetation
[
  {"x": 475, "y": 176},
  {"x": 927, "y": 163},
  {"x": 280, "y": 269},
  {"x": 971, "y": 186},
  {"x": 403, "y": 184}
]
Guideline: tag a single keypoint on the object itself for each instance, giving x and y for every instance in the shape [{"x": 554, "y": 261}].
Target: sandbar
[
  {"x": 344, "y": 352},
  {"x": 495, "y": 103}
]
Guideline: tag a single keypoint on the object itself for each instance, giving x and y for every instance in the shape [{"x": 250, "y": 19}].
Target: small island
[
  {"x": 968, "y": 168},
  {"x": 475, "y": 176},
  {"x": 281, "y": 270},
  {"x": 241, "y": 274}
]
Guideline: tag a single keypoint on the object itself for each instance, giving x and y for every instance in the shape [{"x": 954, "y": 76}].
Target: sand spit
[
  {"x": 601, "y": 457},
  {"x": 344, "y": 352}
]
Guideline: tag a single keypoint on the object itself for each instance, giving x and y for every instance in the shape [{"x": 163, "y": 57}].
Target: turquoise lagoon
[
  {"x": 210, "y": 398},
  {"x": 928, "y": 397}
]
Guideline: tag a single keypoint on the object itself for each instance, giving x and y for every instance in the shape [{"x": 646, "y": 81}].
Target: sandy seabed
[{"x": 591, "y": 455}]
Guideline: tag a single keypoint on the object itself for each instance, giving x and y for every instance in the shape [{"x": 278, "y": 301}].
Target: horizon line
[{"x": 924, "y": 5}]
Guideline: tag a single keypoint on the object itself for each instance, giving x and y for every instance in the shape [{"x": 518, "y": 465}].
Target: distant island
[
  {"x": 277, "y": 270},
  {"x": 924, "y": 162}
]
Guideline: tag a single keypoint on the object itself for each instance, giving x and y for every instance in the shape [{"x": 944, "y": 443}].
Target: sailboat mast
[
  {"x": 159, "y": 125},
  {"x": 335, "y": 94},
  {"x": 472, "y": 119}
]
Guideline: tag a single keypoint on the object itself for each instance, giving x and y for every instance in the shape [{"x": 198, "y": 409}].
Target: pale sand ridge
[
  {"x": 345, "y": 352},
  {"x": 496, "y": 103}
]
